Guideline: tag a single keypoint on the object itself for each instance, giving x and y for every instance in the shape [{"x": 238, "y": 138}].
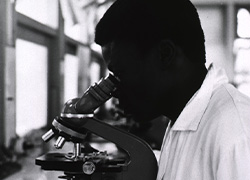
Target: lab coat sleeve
[{"x": 234, "y": 163}]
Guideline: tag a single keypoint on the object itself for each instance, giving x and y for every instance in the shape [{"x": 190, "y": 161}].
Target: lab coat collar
[{"x": 190, "y": 117}]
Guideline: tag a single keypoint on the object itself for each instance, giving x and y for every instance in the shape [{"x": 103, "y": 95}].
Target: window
[
  {"x": 242, "y": 51},
  {"x": 31, "y": 86},
  {"x": 43, "y": 11},
  {"x": 71, "y": 64}
]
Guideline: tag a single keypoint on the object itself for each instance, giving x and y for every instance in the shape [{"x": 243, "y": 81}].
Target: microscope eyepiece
[{"x": 96, "y": 95}]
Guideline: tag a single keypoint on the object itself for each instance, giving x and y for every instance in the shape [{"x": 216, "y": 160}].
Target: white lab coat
[{"x": 211, "y": 138}]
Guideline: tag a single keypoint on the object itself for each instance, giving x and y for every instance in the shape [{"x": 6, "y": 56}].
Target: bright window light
[
  {"x": 243, "y": 29},
  {"x": 31, "y": 86},
  {"x": 71, "y": 65},
  {"x": 94, "y": 70},
  {"x": 43, "y": 11}
]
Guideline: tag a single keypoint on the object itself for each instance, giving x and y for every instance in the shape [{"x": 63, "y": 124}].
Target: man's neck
[{"x": 186, "y": 93}]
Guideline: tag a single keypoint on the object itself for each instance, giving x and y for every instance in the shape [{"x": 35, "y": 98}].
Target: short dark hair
[{"x": 148, "y": 21}]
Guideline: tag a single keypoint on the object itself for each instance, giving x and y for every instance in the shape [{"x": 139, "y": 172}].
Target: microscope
[{"x": 75, "y": 122}]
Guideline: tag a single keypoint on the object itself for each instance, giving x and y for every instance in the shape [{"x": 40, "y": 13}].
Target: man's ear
[{"x": 167, "y": 52}]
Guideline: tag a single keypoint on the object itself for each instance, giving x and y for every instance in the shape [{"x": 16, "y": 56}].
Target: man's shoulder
[
  {"x": 229, "y": 100},
  {"x": 229, "y": 110},
  {"x": 226, "y": 97}
]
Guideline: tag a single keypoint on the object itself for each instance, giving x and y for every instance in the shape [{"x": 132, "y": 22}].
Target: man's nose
[
  {"x": 111, "y": 67},
  {"x": 114, "y": 69}
]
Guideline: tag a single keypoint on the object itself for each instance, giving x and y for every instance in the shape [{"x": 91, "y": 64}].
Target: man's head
[
  {"x": 147, "y": 21},
  {"x": 156, "y": 48}
]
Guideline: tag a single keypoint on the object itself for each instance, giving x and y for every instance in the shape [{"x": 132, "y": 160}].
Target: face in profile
[{"x": 140, "y": 91}]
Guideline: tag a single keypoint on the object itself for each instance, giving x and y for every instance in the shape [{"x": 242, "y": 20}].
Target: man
[{"x": 157, "y": 50}]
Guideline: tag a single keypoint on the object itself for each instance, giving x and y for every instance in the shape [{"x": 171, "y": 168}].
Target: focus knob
[
  {"x": 60, "y": 142},
  {"x": 48, "y": 135}
]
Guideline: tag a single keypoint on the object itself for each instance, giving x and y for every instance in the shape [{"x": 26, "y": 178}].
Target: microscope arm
[{"x": 142, "y": 164}]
